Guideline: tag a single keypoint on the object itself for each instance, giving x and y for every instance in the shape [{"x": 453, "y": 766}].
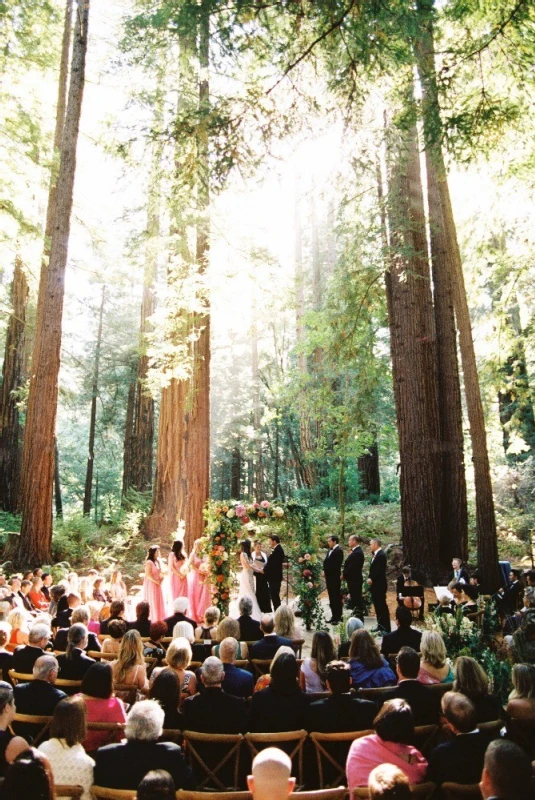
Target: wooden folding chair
[
  {"x": 423, "y": 791},
  {"x": 460, "y": 791},
  {"x": 493, "y": 728},
  {"x": 34, "y": 720},
  {"x": 127, "y": 692},
  {"x": 376, "y": 694},
  {"x": 19, "y": 677},
  {"x": 69, "y": 687},
  {"x": 337, "y": 793},
  {"x": 198, "y": 746},
  {"x": 112, "y": 730},
  {"x": 65, "y": 790},
  {"x": 261, "y": 666},
  {"x": 103, "y": 793},
  {"x": 257, "y": 742},
  {"x": 337, "y": 759},
  {"x": 425, "y": 738},
  {"x": 184, "y": 794},
  {"x": 297, "y": 645},
  {"x": 98, "y": 655}
]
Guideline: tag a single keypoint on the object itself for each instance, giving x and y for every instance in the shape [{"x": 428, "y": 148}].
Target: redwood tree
[{"x": 88, "y": 492}]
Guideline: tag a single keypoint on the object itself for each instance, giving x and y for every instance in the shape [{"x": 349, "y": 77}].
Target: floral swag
[{"x": 230, "y": 522}]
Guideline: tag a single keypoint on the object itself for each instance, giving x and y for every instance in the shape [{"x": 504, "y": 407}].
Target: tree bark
[
  {"x": 93, "y": 417},
  {"x": 369, "y": 478},
  {"x": 57, "y": 483},
  {"x": 11, "y": 431},
  {"x": 235, "y": 488},
  {"x": 129, "y": 438},
  {"x": 487, "y": 545},
  {"x": 34, "y": 546}
]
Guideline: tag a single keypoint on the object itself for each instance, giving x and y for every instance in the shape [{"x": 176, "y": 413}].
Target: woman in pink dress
[
  {"x": 152, "y": 584},
  {"x": 199, "y": 584},
  {"x": 177, "y": 563}
]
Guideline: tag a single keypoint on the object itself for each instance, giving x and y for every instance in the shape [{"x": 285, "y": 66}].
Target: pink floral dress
[
  {"x": 199, "y": 590},
  {"x": 153, "y": 593},
  {"x": 178, "y": 587}
]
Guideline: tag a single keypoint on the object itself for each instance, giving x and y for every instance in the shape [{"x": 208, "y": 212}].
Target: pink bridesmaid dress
[
  {"x": 153, "y": 594},
  {"x": 178, "y": 587},
  {"x": 199, "y": 594}
]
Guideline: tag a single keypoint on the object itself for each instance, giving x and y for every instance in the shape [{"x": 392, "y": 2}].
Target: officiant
[{"x": 261, "y": 584}]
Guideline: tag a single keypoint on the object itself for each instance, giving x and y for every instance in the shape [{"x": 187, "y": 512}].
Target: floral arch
[{"x": 229, "y": 522}]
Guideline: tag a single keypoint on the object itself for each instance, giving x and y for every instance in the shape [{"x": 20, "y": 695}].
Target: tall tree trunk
[
  {"x": 34, "y": 546},
  {"x": 57, "y": 483},
  {"x": 487, "y": 545},
  {"x": 93, "y": 418},
  {"x": 276, "y": 487},
  {"x": 414, "y": 360},
  {"x": 11, "y": 430},
  {"x": 369, "y": 478},
  {"x": 129, "y": 438},
  {"x": 235, "y": 484},
  {"x": 259, "y": 465}
]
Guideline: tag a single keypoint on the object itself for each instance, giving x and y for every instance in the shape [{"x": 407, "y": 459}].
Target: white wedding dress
[{"x": 245, "y": 589}]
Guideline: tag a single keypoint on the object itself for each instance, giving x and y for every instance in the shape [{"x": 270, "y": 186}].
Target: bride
[{"x": 246, "y": 580}]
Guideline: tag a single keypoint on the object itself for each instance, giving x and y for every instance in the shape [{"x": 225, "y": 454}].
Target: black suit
[
  {"x": 249, "y": 629},
  {"x": 261, "y": 584},
  {"x": 177, "y": 617},
  {"x": 214, "y": 711},
  {"x": 124, "y": 765},
  {"x": 340, "y": 712},
  {"x": 378, "y": 589},
  {"x": 6, "y": 663},
  {"x": 74, "y": 669},
  {"x": 37, "y": 697},
  {"x": 508, "y": 601},
  {"x": 60, "y": 642},
  {"x": 25, "y": 657},
  {"x": 463, "y": 573},
  {"x": 332, "y": 567},
  {"x": 268, "y": 646},
  {"x": 273, "y": 573},
  {"x": 353, "y": 577},
  {"x": 104, "y": 624},
  {"x": 271, "y": 712},
  {"x": 403, "y": 637},
  {"x": 425, "y": 703},
  {"x": 460, "y": 760}
]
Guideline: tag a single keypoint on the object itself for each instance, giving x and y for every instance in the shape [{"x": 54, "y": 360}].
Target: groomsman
[
  {"x": 377, "y": 584},
  {"x": 353, "y": 574},
  {"x": 332, "y": 567}
]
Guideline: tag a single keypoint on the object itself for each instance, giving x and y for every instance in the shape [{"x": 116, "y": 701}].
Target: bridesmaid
[
  {"x": 152, "y": 584},
  {"x": 199, "y": 584},
  {"x": 177, "y": 561}
]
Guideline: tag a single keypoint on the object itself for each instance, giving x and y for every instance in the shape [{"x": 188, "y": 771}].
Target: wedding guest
[
  {"x": 156, "y": 785},
  {"x": 198, "y": 583},
  {"x": 368, "y": 667},
  {"x": 521, "y": 703},
  {"x": 250, "y": 630},
  {"x": 101, "y": 704},
  {"x": 80, "y": 614},
  {"x": 507, "y": 772},
  {"x": 270, "y": 777},
  {"x": 36, "y": 595},
  {"x": 178, "y": 571},
  {"x": 230, "y": 627},
  {"x": 154, "y": 647},
  {"x": 387, "y": 782},
  {"x": 180, "y": 606},
  {"x": 40, "y": 696},
  {"x": 152, "y": 584},
  {"x": 208, "y": 628},
  {"x": 462, "y": 599},
  {"x": 394, "y": 730},
  {"x": 270, "y": 643},
  {"x": 434, "y": 665},
  {"x": 523, "y": 644},
  {"x": 404, "y": 636},
  {"x": 117, "y": 589},
  {"x": 265, "y": 679},
  {"x": 314, "y": 669},
  {"x": 25, "y": 656},
  {"x": 214, "y": 711},
  {"x": 142, "y": 622},
  {"x": 353, "y": 624},
  {"x": 94, "y": 614},
  {"x": 74, "y": 663},
  {"x": 24, "y": 594},
  {"x": 116, "y": 631},
  {"x": 100, "y": 593},
  {"x": 6, "y": 658},
  {"x": 56, "y": 593},
  {"x": 18, "y": 620},
  {"x": 166, "y": 690},
  {"x": 425, "y": 705},
  {"x": 46, "y": 577},
  {"x": 86, "y": 590},
  {"x": 29, "y": 776},
  {"x": 116, "y": 612},
  {"x": 282, "y": 706},
  {"x": 471, "y": 680},
  {"x": 68, "y": 760},
  {"x": 179, "y": 659},
  {"x": 66, "y": 605},
  {"x": 237, "y": 682},
  {"x": 340, "y": 711},
  {"x": 285, "y": 623},
  {"x": 10, "y": 745},
  {"x": 129, "y": 667}
]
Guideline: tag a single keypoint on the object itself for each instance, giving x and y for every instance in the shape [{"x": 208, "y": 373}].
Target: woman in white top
[
  {"x": 313, "y": 669},
  {"x": 69, "y": 762}
]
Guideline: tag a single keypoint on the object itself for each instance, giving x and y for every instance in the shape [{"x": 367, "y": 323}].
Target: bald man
[{"x": 271, "y": 778}]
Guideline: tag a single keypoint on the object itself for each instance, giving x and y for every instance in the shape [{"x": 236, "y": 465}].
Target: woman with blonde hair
[
  {"x": 129, "y": 667},
  {"x": 117, "y": 586},
  {"x": 285, "y": 622},
  {"x": 208, "y": 628},
  {"x": 178, "y": 659},
  {"x": 434, "y": 665},
  {"x": 18, "y": 619},
  {"x": 313, "y": 669},
  {"x": 230, "y": 627},
  {"x": 471, "y": 680},
  {"x": 369, "y": 669},
  {"x": 521, "y": 703}
]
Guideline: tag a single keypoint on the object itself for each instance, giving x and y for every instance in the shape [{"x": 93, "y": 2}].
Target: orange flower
[
  {"x": 220, "y": 578},
  {"x": 224, "y": 596}
]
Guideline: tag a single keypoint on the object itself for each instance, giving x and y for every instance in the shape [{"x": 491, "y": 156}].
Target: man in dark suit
[
  {"x": 250, "y": 630},
  {"x": 460, "y": 573},
  {"x": 180, "y": 605},
  {"x": 24, "y": 591},
  {"x": 377, "y": 584},
  {"x": 404, "y": 636},
  {"x": 261, "y": 583},
  {"x": 74, "y": 663},
  {"x": 424, "y": 703},
  {"x": 506, "y": 772},
  {"x": 81, "y": 615},
  {"x": 39, "y": 696},
  {"x": 273, "y": 570},
  {"x": 116, "y": 612},
  {"x": 353, "y": 574},
  {"x": 237, "y": 682},
  {"x": 25, "y": 656},
  {"x": 214, "y": 711},
  {"x": 124, "y": 765},
  {"x": 461, "y": 759},
  {"x": 332, "y": 568},
  {"x": 268, "y": 646},
  {"x": 340, "y": 711},
  {"x": 508, "y": 599}
]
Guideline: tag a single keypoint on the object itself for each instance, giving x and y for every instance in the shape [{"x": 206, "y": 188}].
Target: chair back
[
  {"x": 297, "y": 645},
  {"x": 461, "y": 791},
  {"x": 112, "y": 730},
  {"x": 215, "y": 758},
  {"x": 422, "y": 791},
  {"x": 103, "y": 793},
  {"x": 337, "y": 793},
  {"x": 98, "y": 655},
  {"x": 292, "y": 742},
  {"x": 65, "y": 790},
  {"x": 331, "y": 755},
  {"x": 127, "y": 692},
  {"x": 261, "y": 666},
  {"x": 69, "y": 687},
  {"x": 425, "y": 738},
  {"x": 19, "y": 677},
  {"x": 41, "y": 722},
  {"x": 493, "y": 728}
]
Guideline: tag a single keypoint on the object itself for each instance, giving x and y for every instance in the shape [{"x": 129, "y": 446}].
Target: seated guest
[
  {"x": 284, "y": 620},
  {"x": 101, "y": 704},
  {"x": 94, "y": 617},
  {"x": 166, "y": 690},
  {"x": 156, "y": 785},
  {"x": 404, "y": 636},
  {"x": 154, "y": 647},
  {"x": 29, "y": 776},
  {"x": 313, "y": 670},
  {"x": 40, "y": 696},
  {"x": 394, "y": 730},
  {"x": 74, "y": 663},
  {"x": 56, "y": 593},
  {"x": 142, "y": 621},
  {"x": 68, "y": 760},
  {"x": 250, "y": 630},
  {"x": 270, "y": 778},
  {"x": 24, "y": 594},
  {"x": 18, "y": 620},
  {"x": 523, "y": 644},
  {"x": 178, "y": 659},
  {"x": 462, "y": 757},
  {"x": 460, "y": 573},
  {"x": 425, "y": 705},
  {"x": 353, "y": 624},
  {"x": 237, "y": 682},
  {"x": 100, "y": 593},
  {"x": 265, "y": 679},
  {"x": 25, "y": 656},
  {"x": 116, "y": 631},
  {"x": 124, "y": 765},
  {"x": 471, "y": 680},
  {"x": 180, "y": 605},
  {"x": 282, "y": 706},
  {"x": 129, "y": 668},
  {"x": 66, "y": 606},
  {"x": 507, "y": 772},
  {"x": 508, "y": 598},
  {"x": 268, "y": 646},
  {"x": 229, "y": 627},
  {"x": 6, "y": 658},
  {"x": 46, "y": 578},
  {"x": 521, "y": 703},
  {"x": 10, "y": 745},
  {"x": 434, "y": 666},
  {"x": 340, "y": 711},
  {"x": 13, "y": 597},
  {"x": 208, "y": 628},
  {"x": 368, "y": 667},
  {"x": 214, "y": 711},
  {"x": 80, "y": 614},
  {"x": 462, "y": 599},
  {"x": 116, "y": 612},
  {"x": 387, "y": 782},
  {"x": 36, "y": 595}
]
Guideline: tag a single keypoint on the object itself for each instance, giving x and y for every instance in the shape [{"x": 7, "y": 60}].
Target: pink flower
[
  {"x": 240, "y": 511},
  {"x": 221, "y": 548},
  {"x": 256, "y": 505},
  {"x": 310, "y": 585},
  {"x": 301, "y": 559},
  {"x": 306, "y": 573},
  {"x": 307, "y": 556},
  {"x": 265, "y": 504}
]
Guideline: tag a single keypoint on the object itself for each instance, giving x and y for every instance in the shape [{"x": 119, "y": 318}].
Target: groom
[{"x": 273, "y": 570}]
